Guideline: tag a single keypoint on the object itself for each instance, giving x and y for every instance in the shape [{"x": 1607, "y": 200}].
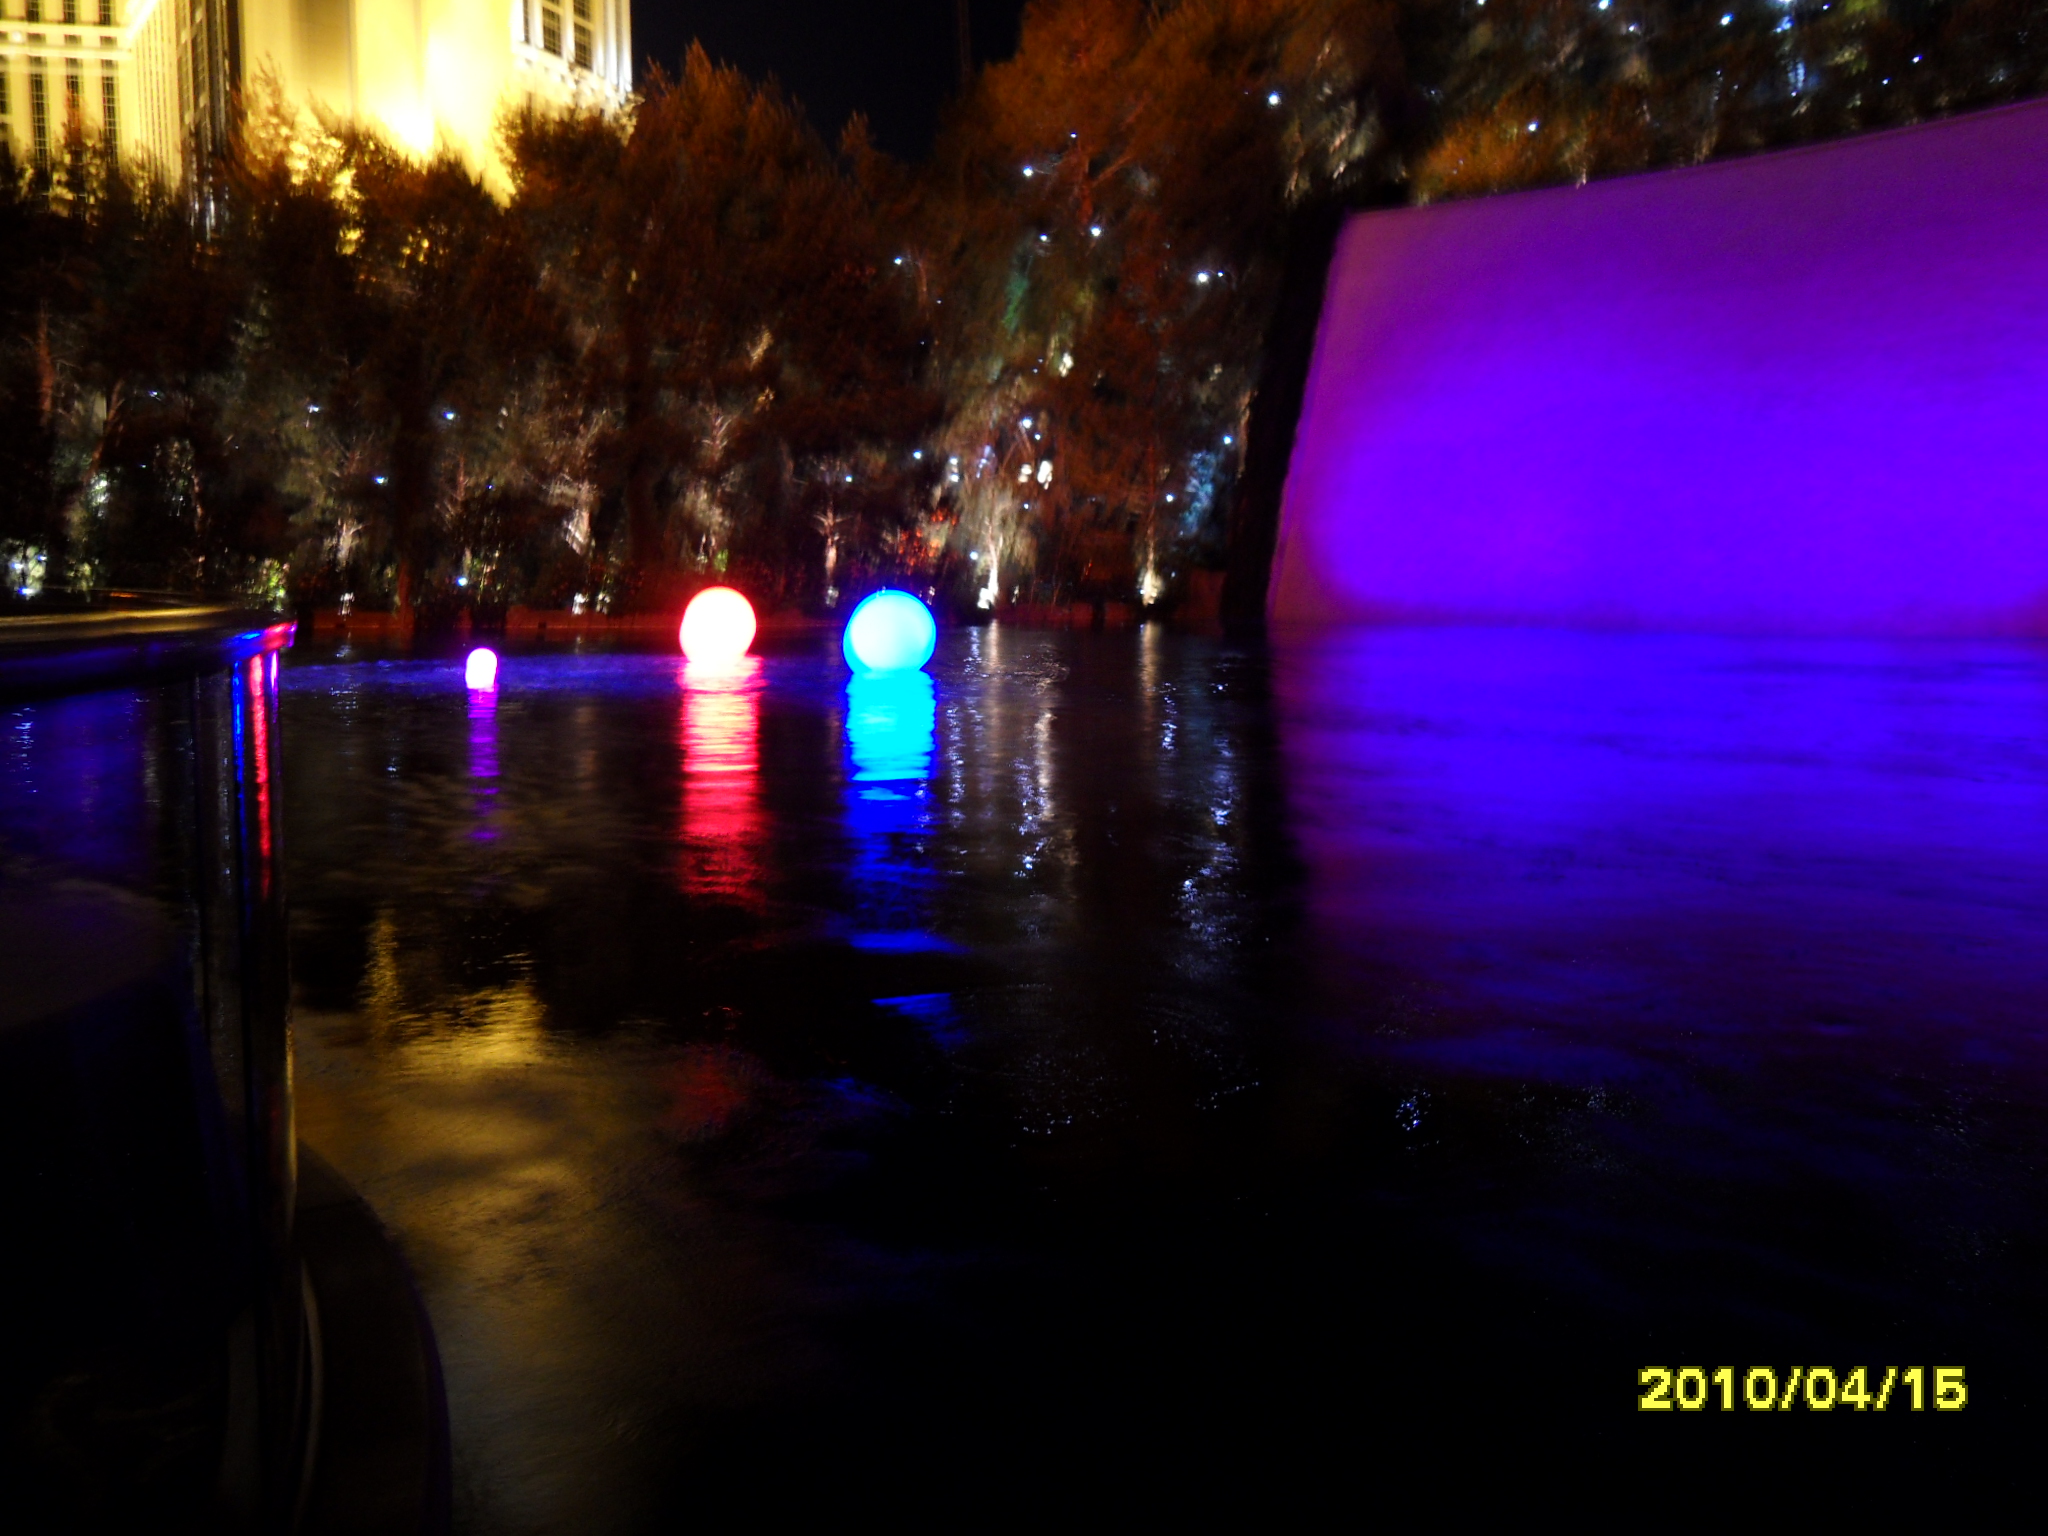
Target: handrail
[{"x": 80, "y": 650}]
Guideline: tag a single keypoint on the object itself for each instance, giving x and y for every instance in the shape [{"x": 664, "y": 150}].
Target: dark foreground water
[{"x": 1134, "y": 1067}]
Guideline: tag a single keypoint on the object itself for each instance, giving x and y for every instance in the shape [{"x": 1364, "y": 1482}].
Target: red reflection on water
[
  {"x": 718, "y": 730},
  {"x": 258, "y": 679},
  {"x": 709, "y": 1091}
]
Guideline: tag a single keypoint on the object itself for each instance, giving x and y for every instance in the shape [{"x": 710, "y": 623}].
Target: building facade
[{"x": 158, "y": 80}]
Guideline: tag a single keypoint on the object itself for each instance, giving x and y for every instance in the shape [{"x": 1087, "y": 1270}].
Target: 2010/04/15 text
[{"x": 1818, "y": 1389}]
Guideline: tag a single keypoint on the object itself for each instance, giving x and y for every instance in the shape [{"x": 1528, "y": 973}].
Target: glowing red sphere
[{"x": 718, "y": 626}]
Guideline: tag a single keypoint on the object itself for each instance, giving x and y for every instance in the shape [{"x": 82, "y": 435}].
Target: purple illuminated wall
[{"x": 1803, "y": 392}]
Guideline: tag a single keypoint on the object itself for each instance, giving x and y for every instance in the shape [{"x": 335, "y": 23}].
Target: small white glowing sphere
[
  {"x": 718, "y": 626},
  {"x": 480, "y": 672},
  {"x": 890, "y": 632}
]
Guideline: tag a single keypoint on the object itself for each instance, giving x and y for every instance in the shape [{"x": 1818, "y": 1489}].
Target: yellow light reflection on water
[{"x": 505, "y": 1168}]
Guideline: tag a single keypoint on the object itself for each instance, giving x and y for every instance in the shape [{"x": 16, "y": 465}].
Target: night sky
[{"x": 892, "y": 59}]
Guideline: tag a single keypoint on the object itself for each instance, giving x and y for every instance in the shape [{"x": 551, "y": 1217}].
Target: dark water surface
[{"x": 1132, "y": 1062}]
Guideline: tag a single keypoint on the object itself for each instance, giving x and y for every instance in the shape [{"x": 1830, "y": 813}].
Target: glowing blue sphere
[{"x": 890, "y": 632}]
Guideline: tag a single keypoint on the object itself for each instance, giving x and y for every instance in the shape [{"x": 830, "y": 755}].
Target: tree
[
  {"x": 36, "y": 245},
  {"x": 730, "y": 336},
  {"x": 1107, "y": 214},
  {"x": 1542, "y": 92},
  {"x": 440, "y": 321}
]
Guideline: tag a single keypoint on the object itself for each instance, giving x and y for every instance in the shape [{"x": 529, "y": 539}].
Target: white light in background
[{"x": 986, "y": 597}]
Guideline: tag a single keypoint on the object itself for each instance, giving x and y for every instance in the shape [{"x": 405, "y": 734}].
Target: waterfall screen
[{"x": 1797, "y": 393}]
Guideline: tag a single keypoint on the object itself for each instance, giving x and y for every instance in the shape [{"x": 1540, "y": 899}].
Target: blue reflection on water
[
  {"x": 891, "y": 729},
  {"x": 1614, "y": 857},
  {"x": 934, "y": 1013},
  {"x": 891, "y": 718}
]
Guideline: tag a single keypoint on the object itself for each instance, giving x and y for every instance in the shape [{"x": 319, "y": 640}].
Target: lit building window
[
  {"x": 110, "y": 107},
  {"x": 33, "y": 11},
  {"x": 106, "y": 13},
  {"x": 551, "y": 28},
  {"x": 583, "y": 34},
  {"x": 39, "y": 114},
  {"x": 195, "y": 99},
  {"x": 70, "y": 13}
]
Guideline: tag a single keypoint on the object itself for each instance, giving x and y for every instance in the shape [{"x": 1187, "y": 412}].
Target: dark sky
[{"x": 892, "y": 59}]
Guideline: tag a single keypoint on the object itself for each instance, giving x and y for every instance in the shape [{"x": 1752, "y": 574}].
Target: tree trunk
[
  {"x": 643, "y": 532},
  {"x": 1254, "y": 525},
  {"x": 412, "y": 495}
]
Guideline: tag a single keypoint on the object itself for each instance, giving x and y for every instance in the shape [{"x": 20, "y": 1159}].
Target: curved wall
[{"x": 1805, "y": 392}]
